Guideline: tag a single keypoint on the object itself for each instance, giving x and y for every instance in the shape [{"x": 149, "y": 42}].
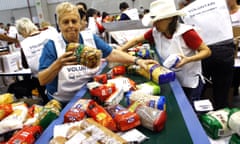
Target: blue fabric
[
  {"x": 123, "y": 16},
  {"x": 194, "y": 93},
  {"x": 49, "y": 55}
]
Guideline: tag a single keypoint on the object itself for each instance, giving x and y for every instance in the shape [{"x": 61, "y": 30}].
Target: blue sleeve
[
  {"x": 124, "y": 17},
  {"x": 49, "y": 55},
  {"x": 103, "y": 46}
]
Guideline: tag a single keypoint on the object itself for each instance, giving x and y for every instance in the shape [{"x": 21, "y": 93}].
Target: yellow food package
[{"x": 6, "y": 98}]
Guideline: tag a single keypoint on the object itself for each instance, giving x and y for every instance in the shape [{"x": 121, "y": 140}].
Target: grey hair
[
  {"x": 65, "y": 7},
  {"x": 24, "y": 24}
]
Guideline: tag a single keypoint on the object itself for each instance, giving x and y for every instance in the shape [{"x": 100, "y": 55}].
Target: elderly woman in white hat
[{"x": 173, "y": 38}]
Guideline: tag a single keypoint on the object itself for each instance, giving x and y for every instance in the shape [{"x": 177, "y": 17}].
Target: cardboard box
[{"x": 11, "y": 62}]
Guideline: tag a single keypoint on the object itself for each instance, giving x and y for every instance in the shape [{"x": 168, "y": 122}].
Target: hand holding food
[{"x": 87, "y": 56}]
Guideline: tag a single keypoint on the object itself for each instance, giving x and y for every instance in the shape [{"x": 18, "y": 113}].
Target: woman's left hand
[
  {"x": 183, "y": 61},
  {"x": 145, "y": 62}
]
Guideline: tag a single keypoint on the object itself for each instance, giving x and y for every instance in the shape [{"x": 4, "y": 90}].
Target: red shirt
[{"x": 191, "y": 38}]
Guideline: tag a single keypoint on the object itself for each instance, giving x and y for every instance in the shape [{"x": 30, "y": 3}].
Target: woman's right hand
[{"x": 68, "y": 59}]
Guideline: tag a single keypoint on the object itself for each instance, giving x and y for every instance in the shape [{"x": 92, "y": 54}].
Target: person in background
[
  {"x": 47, "y": 30},
  {"x": 5, "y": 40},
  {"x": 234, "y": 10},
  {"x": 171, "y": 37},
  {"x": 55, "y": 62},
  {"x": 218, "y": 68},
  {"x": 106, "y": 17},
  {"x": 82, "y": 6},
  {"x": 2, "y": 30},
  {"x": 146, "y": 11},
  {"x": 127, "y": 13},
  {"x": 44, "y": 25},
  {"x": 184, "y": 3},
  {"x": 83, "y": 21},
  {"x": 93, "y": 23},
  {"x": 8, "y": 39},
  {"x": 31, "y": 49}
]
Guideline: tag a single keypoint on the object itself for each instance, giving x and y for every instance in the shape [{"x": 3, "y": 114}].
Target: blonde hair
[
  {"x": 66, "y": 7},
  {"x": 24, "y": 24},
  {"x": 44, "y": 24}
]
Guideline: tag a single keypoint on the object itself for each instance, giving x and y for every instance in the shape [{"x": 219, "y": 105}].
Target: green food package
[
  {"x": 235, "y": 139},
  {"x": 49, "y": 113},
  {"x": 215, "y": 123},
  {"x": 47, "y": 119},
  {"x": 150, "y": 88}
]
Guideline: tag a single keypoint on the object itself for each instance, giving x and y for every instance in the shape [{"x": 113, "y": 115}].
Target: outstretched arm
[
  {"x": 132, "y": 43},
  {"x": 8, "y": 39}
]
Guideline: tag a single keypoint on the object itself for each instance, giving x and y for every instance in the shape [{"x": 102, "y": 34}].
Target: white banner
[{"x": 212, "y": 18}]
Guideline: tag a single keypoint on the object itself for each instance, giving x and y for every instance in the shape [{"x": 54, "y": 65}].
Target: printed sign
[{"x": 211, "y": 17}]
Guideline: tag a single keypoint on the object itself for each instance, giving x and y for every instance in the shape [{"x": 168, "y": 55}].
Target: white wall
[{"x": 15, "y": 9}]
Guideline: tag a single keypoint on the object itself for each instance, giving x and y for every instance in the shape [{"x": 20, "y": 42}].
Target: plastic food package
[
  {"x": 28, "y": 135},
  {"x": 149, "y": 88},
  {"x": 114, "y": 72},
  {"x": 100, "y": 115},
  {"x": 155, "y": 73},
  {"x": 49, "y": 113},
  {"x": 6, "y": 98},
  {"x": 77, "y": 111},
  {"x": 158, "y": 102},
  {"x": 15, "y": 120},
  {"x": 215, "y": 123},
  {"x": 146, "y": 54},
  {"x": 171, "y": 61},
  {"x": 33, "y": 115},
  {"x": 115, "y": 97},
  {"x": 87, "y": 56},
  {"x": 234, "y": 120},
  {"x": 5, "y": 110},
  {"x": 74, "y": 114},
  {"x": 152, "y": 119},
  {"x": 102, "y": 92},
  {"x": 235, "y": 139},
  {"x": 124, "y": 83},
  {"x": 133, "y": 136},
  {"x": 124, "y": 119},
  {"x": 86, "y": 131}
]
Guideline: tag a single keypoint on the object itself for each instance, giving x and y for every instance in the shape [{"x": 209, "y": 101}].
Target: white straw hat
[{"x": 161, "y": 9}]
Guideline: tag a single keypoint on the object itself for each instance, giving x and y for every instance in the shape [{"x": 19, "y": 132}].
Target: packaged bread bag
[
  {"x": 124, "y": 118},
  {"x": 87, "y": 56},
  {"x": 234, "y": 120},
  {"x": 152, "y": 119},
  {"x": 158, "y": 102},
  {"x": 77, "y": 111},
  {"x": 100, "y": 115},
  {"x": 215, "y": 123}
]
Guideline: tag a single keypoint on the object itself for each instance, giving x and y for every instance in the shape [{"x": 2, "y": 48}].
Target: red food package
[
  {"x": 100, "y": 115},
  {"x": 27, "y": 135},
  {"x": 124, "y": 119},
  {"x": 103, "y": 92},
  {"x": 118, "y": 70},
  {"x": 5, "y": 110},
  {"x": 77, "y": 111},
  {"x": 102, "y": 78},
  {"x": 74, "y": 114}
]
